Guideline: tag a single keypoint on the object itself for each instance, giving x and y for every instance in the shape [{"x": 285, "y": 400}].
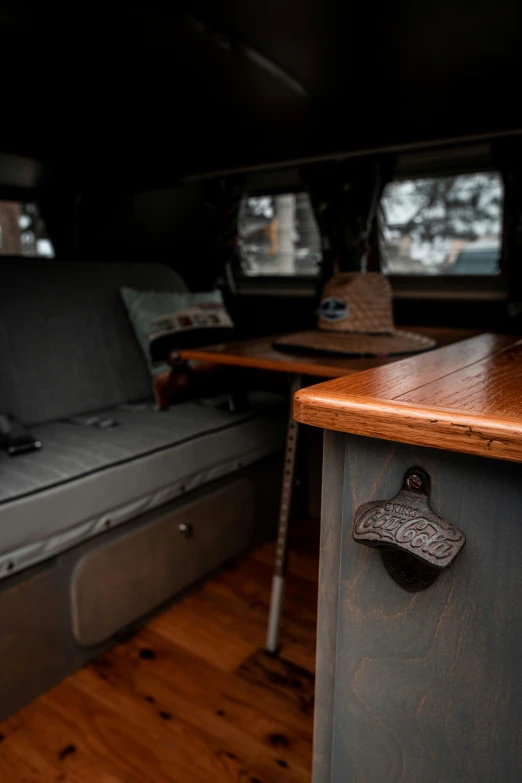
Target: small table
[{"x": 259, "y": 354}]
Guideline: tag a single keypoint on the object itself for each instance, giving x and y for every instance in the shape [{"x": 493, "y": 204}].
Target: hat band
[{"x": 343, "y": 329}]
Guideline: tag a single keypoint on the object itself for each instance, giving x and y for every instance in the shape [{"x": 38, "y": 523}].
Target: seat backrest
[{"x": 66, "y": 342}]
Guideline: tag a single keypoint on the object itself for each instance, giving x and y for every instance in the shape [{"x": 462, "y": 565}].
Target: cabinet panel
[
  {"x": 35, "y": 651},
  {"x": 428, "y": 685}
]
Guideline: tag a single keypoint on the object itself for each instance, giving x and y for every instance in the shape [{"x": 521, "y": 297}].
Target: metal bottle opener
[{"x": 416, "y": 543}]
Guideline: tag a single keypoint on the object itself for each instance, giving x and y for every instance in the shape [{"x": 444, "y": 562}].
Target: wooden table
[
  {"x": 260, "y": 354},
  {"x": 418, "y": 666}
]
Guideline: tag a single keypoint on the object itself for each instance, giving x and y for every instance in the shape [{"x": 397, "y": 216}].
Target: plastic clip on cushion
[
  {"x": 93, "y": 421},
  {"x": 15, "y": 438}
]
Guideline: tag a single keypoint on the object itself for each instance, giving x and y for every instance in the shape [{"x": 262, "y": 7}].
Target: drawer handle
[
  {"x": 186, "y": 529},
  {"x": 416, "y": 543}
]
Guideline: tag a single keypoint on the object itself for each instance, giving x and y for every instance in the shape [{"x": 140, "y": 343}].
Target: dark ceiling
[{"x": 155, "y": 91}]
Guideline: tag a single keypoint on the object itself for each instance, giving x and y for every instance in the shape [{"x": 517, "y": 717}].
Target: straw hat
[{"x": 356, "y": 319}]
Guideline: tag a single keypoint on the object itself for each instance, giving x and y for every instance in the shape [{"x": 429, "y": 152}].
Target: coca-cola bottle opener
[{"x": 416, "y": 543}]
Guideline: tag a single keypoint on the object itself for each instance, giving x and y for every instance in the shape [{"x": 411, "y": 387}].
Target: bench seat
[{"x": 86, "y": 480}]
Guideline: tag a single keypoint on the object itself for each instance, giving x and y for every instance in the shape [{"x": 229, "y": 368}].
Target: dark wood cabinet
[{"x": 422, "y": 683}]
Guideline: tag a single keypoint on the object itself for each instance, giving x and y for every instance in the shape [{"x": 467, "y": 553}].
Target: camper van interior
[{"x": 261, "y": 286}]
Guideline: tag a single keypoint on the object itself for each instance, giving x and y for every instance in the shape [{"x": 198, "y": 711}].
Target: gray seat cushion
[
  {"x": 66, "y": 342},
  {"x": 85, "y": 480}
]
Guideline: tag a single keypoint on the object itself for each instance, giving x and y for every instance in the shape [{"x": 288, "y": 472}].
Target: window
[
  {"x": 22, "y": 231},
  {"x": 443, "y": 225},
  {"x": 278, "y": 235}
]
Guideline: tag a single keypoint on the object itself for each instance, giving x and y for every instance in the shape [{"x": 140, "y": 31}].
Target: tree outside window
[
  {"x": 22, "y": 231},
  {"x": 278, "y": 235},
  {"x": 443, "y": 225}
]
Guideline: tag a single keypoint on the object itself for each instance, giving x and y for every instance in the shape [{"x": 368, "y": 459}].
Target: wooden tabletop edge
[
  {"x": 297, "y": 365},
  {"x": 499, "y": 437},
  {"x": 368, "y": 406}
]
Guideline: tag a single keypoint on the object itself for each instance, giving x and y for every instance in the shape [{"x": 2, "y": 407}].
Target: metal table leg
[{"x": 281, "y": 555}]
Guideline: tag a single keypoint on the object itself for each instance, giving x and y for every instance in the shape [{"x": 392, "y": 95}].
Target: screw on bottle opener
[{"x": 416, "y": 543}]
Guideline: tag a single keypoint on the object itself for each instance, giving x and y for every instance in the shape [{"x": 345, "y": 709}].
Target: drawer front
[
  {"x": 120, "y": 581},
  {"x": 428, "y": 685}
]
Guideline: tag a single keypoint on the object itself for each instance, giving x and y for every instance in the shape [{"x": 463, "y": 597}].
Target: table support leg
[{"x": 281, "y": 556}]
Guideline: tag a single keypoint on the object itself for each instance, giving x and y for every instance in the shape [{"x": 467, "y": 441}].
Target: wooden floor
[{"x": 191, "y": 698}]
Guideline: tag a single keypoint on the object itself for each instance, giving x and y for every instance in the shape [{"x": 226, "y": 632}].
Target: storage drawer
[
  {"x": 426, "y": 687},
  {"x": 122, "y": 580}
]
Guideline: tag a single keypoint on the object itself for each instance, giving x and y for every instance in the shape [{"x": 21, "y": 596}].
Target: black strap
[{"x": 16, "y": 439}]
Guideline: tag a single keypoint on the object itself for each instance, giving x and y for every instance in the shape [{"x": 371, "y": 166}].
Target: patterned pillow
[{"x": 166, "y": 322}]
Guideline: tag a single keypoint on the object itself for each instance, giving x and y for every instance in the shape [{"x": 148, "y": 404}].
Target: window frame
[
  {"x": 447, "y": 163},
  {"x": 297, "y": 285},
  {"x": 25, "y": 197}
]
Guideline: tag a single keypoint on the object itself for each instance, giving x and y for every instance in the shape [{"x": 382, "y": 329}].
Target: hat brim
[{"x": 344, "y": 344}]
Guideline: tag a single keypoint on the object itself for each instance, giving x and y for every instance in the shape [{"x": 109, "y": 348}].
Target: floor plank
[
  {"x": 192, "y": 697},
  {"x": 282, "y": 677}
]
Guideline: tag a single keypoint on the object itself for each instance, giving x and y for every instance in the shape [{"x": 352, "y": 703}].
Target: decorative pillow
[{"x": 165, "y": 323}]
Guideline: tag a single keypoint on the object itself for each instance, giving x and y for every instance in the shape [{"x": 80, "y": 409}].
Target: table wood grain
[{"x": 464, "y": 397}]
